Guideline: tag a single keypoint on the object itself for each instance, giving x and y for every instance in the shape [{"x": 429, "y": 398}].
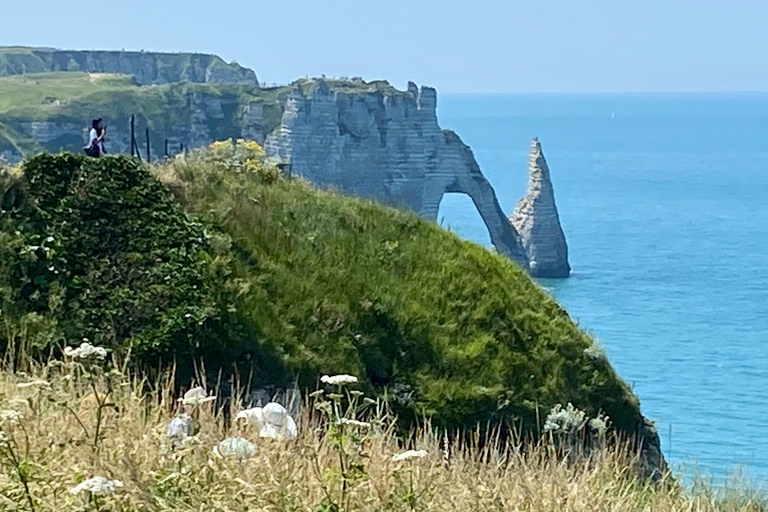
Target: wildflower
[
  {"x": 277, "y": 423},
  {"x": 355, "y": 423},
  {"x": 196, "y": 396},
  {"x": 9, "y": 417},
  {"x": 594, "y": 351},
  {"x": 253, "y": 416},
  {"x": 338, "y": 380},
  {"x": 236, "y": 447},
  {"x": 566, "y": 420},
  {"x": 180, "y": 427},
  {"x": 600, "y": 424},
  {"x": 34, "y": 384},
  {"x": 410, "y": 454},
  {"x": 97, "y": 485},
  {"x": 86, "y": 351}
]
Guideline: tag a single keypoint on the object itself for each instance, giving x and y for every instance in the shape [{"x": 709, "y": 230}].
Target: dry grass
[{"x": 53, "y": 446}]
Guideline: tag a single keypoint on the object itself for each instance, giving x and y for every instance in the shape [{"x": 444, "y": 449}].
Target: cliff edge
[
  {"x": 379, "y": 142},
  {"x": 148, "y": 68},
  {"x": 536, "y": 220}
]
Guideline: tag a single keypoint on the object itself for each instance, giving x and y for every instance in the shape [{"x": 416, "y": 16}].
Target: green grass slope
[{"x": 287, "y": 282}]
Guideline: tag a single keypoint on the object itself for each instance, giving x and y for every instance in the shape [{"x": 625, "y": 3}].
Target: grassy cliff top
[
  {"x": 149, "y": 67},
  {"x": 287, "y": 282}
]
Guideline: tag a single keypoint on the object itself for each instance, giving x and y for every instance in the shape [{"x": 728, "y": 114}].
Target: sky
[{"x": 489, "y": 46}]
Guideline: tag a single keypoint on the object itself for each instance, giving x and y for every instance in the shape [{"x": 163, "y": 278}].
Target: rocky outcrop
[
  {"x": 376, "y": 143},
  {"x": 536, "y": 220},
  {"x": 147, "y": 67},
  {"x": 368, "y": 139}
]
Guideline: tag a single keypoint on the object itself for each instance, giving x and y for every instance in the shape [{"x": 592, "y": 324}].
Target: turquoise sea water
[{"x": 664, "y": 202}]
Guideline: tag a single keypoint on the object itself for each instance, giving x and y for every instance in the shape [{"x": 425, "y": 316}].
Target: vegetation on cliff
[
  {"x": 282, "y": 281},
  {"x": 82, "y": 435}
]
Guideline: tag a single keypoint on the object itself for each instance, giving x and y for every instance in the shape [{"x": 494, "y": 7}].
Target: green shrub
[{"x": 286, "y": 282}]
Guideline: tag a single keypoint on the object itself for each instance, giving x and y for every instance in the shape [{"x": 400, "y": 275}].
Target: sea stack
[{"x": 536, "y": 220}]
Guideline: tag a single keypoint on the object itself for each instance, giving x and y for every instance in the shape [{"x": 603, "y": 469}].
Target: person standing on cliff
[{"x": 95, "y": 147}]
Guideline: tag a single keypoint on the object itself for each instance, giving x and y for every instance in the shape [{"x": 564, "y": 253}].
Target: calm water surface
[{"x": 664, "y": 203}]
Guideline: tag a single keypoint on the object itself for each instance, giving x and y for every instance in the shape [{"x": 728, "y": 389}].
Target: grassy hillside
[{"x": 288, "y": 282}]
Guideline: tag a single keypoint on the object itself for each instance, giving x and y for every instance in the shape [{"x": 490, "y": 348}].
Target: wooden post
[
  {"x": 133, "y": 135},
  {"x": 166, "y": 148},
  {"x": 149, "y": 157}
]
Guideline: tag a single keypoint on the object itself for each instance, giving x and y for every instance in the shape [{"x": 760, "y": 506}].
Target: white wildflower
[
  {"x": 253, "y": 416},
  {"x": 34, "y": 384},
  {"x": 355, "y": 423},
  {"x": 594, "y": 351},
  {"x": 236, "y": 447},
  {"x": 10, "y": 417},
  {"x": 180, "y": 427},
  {"x": 97, "y": 485},
  {"x": 86, "y": 351},
  {"x": 600, "y": 424},
  {"x": 196, "y": 396},
  {"x": 338, "y": 380},
  {"x": 561, "y": 421},
  {"x": 277, "y": 423},
  {"x": 410, "y": 454}
]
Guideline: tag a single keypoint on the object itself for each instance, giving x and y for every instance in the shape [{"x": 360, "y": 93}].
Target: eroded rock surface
[
  {"x": 536, "y": 220},
  {"x": 388, "y": 146}
]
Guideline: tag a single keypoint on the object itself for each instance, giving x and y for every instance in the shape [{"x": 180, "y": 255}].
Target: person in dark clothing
[{"x": 95, "y": 147}]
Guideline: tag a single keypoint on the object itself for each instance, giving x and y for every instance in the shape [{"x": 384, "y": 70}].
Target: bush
[{"x": 284, "y": 282}]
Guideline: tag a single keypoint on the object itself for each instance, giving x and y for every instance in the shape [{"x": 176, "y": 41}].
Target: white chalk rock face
[
  {"x": 536, "y": 220},
  {"x": 385, "y": 144}
]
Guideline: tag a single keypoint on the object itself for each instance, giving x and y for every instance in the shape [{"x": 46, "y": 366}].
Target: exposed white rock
[
  {"x": 387, "y": 146},
  {"x": 536, "y": 220}
]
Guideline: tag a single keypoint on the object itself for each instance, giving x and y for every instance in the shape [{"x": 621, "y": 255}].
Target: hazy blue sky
[{"x": 471, "y": 46}]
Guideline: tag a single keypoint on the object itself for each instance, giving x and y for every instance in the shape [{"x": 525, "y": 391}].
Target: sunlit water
[{"x": 663, "y": 199}]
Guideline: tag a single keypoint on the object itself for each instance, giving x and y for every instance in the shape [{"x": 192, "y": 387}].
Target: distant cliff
[
  {"x": 387, "y": 144},
  {"x": 367, "y": 138},
  {"x": 146, "y": 67}
]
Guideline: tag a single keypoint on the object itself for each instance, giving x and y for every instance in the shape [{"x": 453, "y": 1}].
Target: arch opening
[{"x": 458, "y": 213}]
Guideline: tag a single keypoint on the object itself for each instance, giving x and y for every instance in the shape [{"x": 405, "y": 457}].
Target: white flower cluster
[
  {"x": 86, "y": 351},
  {"x": 594, "y": 351},
  {"x": 236, "y": 447},
  {"x": 97, "y": 485},
  {"x": 180, "y": 428},
  {"x": 196, "y": 396},
  {"x": 600, "y": 424},
  {"x": 410, "y": 454},
  {"x": 338, "y": 380},
  {"x": 273, "y": 421},
  {"x": 562, "y": 421},
  {"x": 10, "y": 417}
]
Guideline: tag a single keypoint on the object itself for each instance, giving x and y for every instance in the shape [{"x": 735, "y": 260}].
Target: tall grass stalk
[{"x": 325, "y": 468}]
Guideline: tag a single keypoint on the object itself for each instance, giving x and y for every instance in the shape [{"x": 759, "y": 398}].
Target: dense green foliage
[{"x": 290, "y": 282}]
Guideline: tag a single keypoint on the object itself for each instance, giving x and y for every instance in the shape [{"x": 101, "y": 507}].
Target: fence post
[
  {"x": 133, "y": 134},
  {"x": 166, "y": 148},
  {"x": 149, "y": 158}
]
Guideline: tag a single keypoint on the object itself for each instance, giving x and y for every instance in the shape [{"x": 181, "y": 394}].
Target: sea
[{"x": 663, "y": 199}]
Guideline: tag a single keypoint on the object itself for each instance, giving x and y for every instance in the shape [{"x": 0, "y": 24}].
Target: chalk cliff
[
  {"x": 388, "y": 145},
  {"x": 536, "y": 220},
  {"x": 147, "y": 67},
  {"x": 366, "y": 138}
]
